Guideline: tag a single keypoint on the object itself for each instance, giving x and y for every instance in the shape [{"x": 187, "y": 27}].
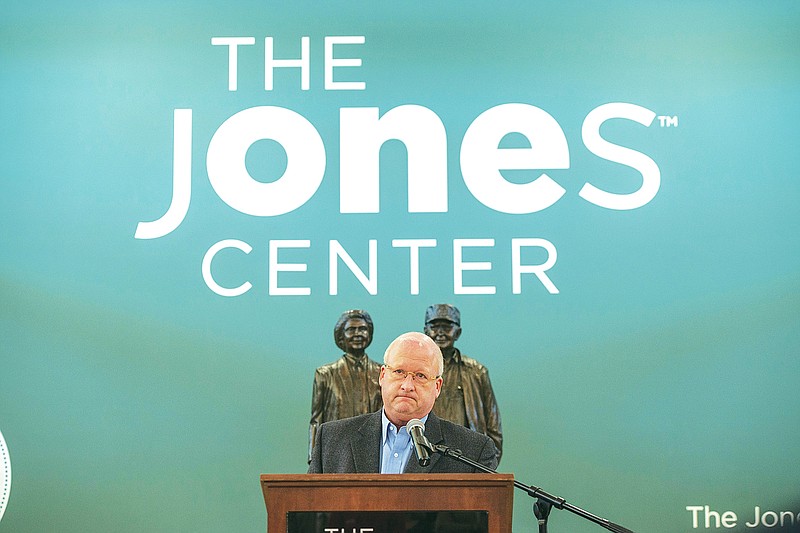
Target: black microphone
[{"x": 422, "y": 446}]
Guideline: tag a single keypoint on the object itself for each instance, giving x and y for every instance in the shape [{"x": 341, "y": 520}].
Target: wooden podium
[{"x": 285, "y": 493}]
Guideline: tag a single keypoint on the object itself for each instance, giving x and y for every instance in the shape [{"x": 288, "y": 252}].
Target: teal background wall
[{"x": 663, "y": 375}]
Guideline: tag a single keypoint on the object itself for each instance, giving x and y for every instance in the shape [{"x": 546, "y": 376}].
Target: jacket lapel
[{"x": 366, "y": 446}]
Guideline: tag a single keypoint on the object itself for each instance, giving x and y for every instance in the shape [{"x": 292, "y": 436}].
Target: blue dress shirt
[{"x": 397, "y": 446}]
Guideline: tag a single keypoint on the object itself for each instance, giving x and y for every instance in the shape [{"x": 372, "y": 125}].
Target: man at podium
[{"x": 410, "y": 380}]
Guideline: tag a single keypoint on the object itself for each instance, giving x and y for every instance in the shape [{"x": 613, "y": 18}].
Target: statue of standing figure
[
  {"x": 348, "y": 386},
  {"x": 467, "y": 397}
]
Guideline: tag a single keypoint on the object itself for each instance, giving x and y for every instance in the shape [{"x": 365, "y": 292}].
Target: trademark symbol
[{"x": 668, "y": 121}]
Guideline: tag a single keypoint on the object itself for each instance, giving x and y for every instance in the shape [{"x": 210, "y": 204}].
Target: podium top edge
[{"x": 389, "y": 478}]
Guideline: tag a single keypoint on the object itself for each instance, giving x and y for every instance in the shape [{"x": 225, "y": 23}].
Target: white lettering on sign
[
  {"x": 367, "y": 274},
  {"x": 362, "y": 133},
  {"x": 302, "y": 62},
  {"x": 704, "y": 517}
]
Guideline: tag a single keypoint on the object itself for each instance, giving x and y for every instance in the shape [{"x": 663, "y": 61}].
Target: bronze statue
[
  {"x": 348, "y": 386},
  {"x": 467, "y": 397}
]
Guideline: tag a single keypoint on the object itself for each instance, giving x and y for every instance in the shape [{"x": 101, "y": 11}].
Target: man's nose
[{"x": 408, "y": 382}]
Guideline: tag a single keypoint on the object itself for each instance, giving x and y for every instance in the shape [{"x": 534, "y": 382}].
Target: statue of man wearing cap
[
  {"x": 467, "y": 397},
  {"x": 348, "y": 386}
]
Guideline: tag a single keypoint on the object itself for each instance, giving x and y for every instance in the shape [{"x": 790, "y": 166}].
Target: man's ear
[{"x": 457, "y": 334}]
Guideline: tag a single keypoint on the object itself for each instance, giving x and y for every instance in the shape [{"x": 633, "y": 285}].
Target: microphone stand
[
  {"x": 541, "y": 510},
  {"x": 544, "y": 500}
]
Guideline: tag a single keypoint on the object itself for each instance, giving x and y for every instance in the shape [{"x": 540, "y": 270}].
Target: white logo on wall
[
  {"x": 362, "y": 133},
  {"x": 5, "y": 475}
]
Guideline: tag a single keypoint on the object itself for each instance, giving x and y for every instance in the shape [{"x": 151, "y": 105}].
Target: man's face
[
  {"x": 404, "y": 397},
  {"x": 355, "y": 335},
  {"x": 443, "y": 332}
]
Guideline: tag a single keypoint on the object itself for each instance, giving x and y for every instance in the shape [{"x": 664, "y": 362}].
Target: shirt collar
[
  {"x": 353, "y": 361},
  {"x": 385, "y": 423},
  {"x": 455, "y": 358}
]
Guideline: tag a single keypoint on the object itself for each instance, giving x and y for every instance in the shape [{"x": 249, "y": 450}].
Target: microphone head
[
  {"x": 415, "y": 422},
  {"x": 416, "y": 429}
]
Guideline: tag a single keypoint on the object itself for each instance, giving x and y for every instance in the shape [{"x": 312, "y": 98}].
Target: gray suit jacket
[{"x": 353, "y": 446}]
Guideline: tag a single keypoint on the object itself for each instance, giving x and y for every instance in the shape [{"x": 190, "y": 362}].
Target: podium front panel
[
  {"x": 491, "y": 494},
  {"x": 388, "y": 521}
]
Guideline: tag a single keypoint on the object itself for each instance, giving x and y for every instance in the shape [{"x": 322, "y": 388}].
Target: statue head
[
  {"x": 350, "y": 334},
  {"x": 443, "y": 325}
]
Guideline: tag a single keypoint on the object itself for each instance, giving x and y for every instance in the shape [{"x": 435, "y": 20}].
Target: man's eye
[
  {"x": 399, "y": 372},
  {"x": 420, "y": 376}
]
